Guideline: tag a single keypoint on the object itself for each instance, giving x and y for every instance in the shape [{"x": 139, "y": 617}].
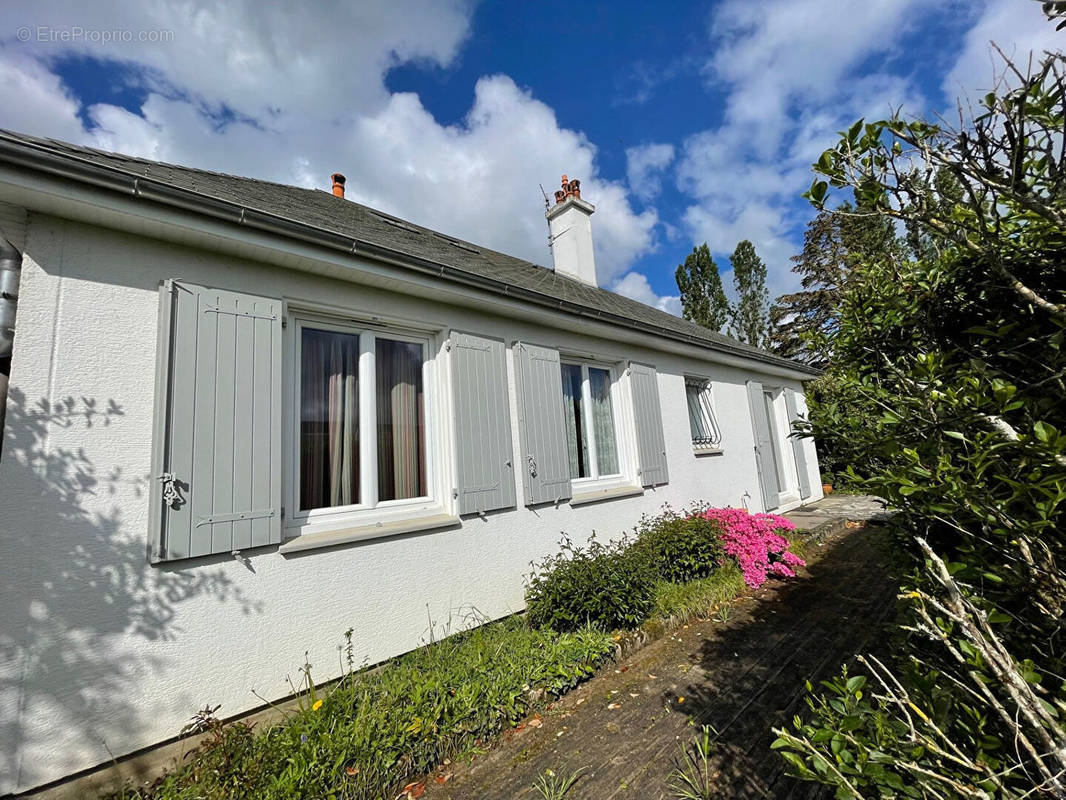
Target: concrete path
[
  {"x": 741, "y": 673},
  {"x": 838, "y": 507}
]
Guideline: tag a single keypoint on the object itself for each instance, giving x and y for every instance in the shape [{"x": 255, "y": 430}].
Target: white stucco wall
[{"x": 101, "y": 653}]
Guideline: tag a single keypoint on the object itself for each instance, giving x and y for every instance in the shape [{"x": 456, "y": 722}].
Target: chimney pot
[{"x": 338, "y": 184}]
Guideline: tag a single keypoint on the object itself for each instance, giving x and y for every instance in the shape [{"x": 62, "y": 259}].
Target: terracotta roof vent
[{"x": 338, "y": 184}]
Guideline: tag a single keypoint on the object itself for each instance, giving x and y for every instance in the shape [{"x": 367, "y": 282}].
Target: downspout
[{"x": 10, "y": 271}]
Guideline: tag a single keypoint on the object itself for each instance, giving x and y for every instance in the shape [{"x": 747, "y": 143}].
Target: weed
[
  {"x": 555, "y": 787},
  {"x": 691, "y": 778}
]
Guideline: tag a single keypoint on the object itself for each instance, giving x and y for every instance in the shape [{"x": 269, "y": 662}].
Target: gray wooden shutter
[
  {"x": 797, "y": 446},
  {"x": 764, "y": 454},
  {"x": 545, "y": 461},
  {"x": 216, "y": 485},
  {"x": 482, "y": 424},
  {"x": 651, "y": 443}
]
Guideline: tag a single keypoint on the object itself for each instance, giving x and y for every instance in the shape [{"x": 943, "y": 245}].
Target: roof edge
[{"x": 40, "y": 158}]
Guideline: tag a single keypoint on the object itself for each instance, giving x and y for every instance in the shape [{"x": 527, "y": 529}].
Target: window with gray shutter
[
  {"x": 764, "y": 447},
  {"x": 545, "y": 460},
  {"x": 216, "y": 485},
  {"x": 651, "y": 444},
  {"x": 797, "y": 446},
  {"x": 482, "y": 424}
]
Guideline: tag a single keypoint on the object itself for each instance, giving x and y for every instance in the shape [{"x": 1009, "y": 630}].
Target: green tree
[
  {"x": 751, "y": 316},
  {"x": 703, "y": 300},
  {"x": 956, "y": 358},
  {"x": 803, "y": 324}
]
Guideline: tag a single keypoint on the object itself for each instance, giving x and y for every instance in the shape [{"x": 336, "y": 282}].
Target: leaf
[
  {"x": 855, "y": 130},
  {"x": 855, "y": 683},
  {"x": 414, "y": 790},
  {"x": 1045, "y": 432}
]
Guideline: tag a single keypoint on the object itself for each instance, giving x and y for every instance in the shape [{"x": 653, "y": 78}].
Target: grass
[
  {"x": 372, "y": 730},
  {"x": 698, "y": 598}
]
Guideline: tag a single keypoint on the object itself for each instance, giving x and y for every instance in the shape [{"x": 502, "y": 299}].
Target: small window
[
  {"x": 706, "y": 435},
  {"x": 590, "y": 421},
  {"x": 361, "y": 442}
]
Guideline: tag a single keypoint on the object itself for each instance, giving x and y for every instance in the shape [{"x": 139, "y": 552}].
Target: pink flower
[{"x": 755, "y": 542}]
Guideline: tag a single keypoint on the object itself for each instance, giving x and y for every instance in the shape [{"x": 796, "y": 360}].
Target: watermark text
[{"x": 75, "y": 34}]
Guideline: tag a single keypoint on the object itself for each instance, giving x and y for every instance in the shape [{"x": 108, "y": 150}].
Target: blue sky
[{"x": 686, "y": 122}]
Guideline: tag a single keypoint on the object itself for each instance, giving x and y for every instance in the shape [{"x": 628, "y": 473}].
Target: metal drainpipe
[{"x": 10, "y": 271}]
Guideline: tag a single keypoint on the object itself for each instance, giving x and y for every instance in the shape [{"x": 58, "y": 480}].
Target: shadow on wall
[{"x": 78, "y": 598}]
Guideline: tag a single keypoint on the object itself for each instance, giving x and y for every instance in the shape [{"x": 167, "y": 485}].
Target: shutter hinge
[
  {"x": 283, "y": 512},
  {"x": 455, "y": 494},
  {"x": 284, "y": 322},
  {"x": 447, "y": 345}
]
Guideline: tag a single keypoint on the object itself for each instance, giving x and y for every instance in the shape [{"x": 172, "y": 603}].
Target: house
[{"x": 243, "y": 418}]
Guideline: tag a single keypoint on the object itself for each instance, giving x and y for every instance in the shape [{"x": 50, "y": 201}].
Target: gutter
[{"x": 42, "y": 159}]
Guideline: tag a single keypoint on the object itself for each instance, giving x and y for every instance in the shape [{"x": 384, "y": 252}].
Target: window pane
[
  {"x": 603, "y": 421},
  {"x": 401, "y": 420},
  {"x": 701, "y": 421},
  {"x": 696, "y": 422},
  {"x": 573, "y": 408},
  {"x": 329, "y": 419}
]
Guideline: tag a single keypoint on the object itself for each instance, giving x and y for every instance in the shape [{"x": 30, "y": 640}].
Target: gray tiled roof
[{"x": 322, "y": 210}]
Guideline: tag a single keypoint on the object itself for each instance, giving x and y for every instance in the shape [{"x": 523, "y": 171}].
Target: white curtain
[
  {"x": 401, "y": 421},
  {"x": 603, "y": 421},
  {"x": 576, "y": 441},
  {"x": 329, "y": 419}
]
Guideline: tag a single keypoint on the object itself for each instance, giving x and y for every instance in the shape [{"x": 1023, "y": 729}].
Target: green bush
[
  {"x": 605, "y": 586},
  {"x": 363, "y": 737},
  {"x": 680, "y": 548}
]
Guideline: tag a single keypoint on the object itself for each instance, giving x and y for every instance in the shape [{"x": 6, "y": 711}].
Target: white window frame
[
  {"x": 624, "y": 431},
  {"x": 369, "y": 517},
  {"x": 707, "y": 406}
]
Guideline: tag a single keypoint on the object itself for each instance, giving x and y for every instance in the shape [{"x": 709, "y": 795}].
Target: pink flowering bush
[{"x": 756, "y": 543}]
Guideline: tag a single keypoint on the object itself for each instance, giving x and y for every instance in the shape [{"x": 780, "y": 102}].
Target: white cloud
[
  {"x": 635, "y": 286},
  {"x": 789, "y": 86},
  {"x": 794, "y": 72},
  {"x": 269, "y": 91},
  {"x": 644, "y": 168},
  {"x": 1018, "y": 28}
]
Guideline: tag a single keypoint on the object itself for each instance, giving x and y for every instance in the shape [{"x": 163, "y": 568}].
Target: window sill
[
  {"x": 593, "y": 495},
  {"x": 707, "y": 451},
  {"x": 357, "y": 533}
]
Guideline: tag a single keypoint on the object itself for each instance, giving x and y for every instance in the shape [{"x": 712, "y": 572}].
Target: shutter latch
[
  {"x": 171, "y": 495},
  {"x": 532, "y": 465}
]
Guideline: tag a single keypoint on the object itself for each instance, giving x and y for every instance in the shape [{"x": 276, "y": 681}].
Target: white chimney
[{"x": 570, "y": 225}]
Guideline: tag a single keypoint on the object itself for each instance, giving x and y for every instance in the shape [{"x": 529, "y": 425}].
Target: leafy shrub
[
  {"x": 372, "y": 730},
  {"x": 606, "y": 586},
  {"x": 680, "y": 548},
  {"x": 955, "y": 355},
  {"x": 756, "y": 543}
]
